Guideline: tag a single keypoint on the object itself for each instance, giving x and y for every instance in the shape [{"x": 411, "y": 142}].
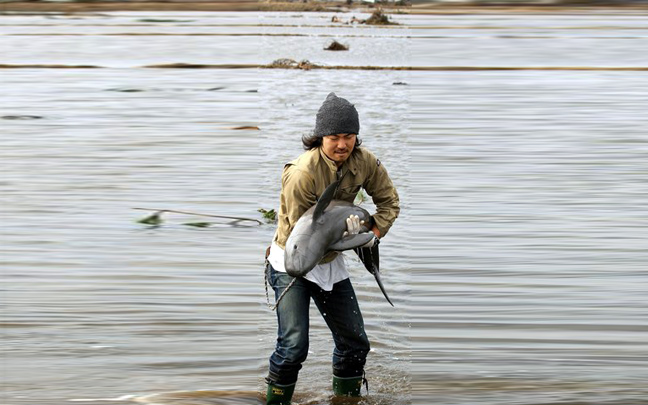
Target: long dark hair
[{"x": 313, "y": 141}]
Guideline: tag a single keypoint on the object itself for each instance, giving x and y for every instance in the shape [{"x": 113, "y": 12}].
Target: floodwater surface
[{"x": 517, "y": 268}]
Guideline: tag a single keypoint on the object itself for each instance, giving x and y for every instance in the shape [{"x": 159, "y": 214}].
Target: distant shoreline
[{"x": 246, "y": 5}]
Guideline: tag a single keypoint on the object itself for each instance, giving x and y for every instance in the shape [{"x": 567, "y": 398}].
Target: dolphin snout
[
  {"x": 298, "y": 263},
  {"x": 296, "y": 268}
]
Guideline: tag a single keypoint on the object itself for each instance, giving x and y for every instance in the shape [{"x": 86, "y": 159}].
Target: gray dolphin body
[{"x": 320, "y": 230}]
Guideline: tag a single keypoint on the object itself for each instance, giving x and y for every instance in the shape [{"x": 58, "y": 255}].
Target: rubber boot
[
  {"x": 279, "y": 394},
  {"x": 347, "y": 386}
]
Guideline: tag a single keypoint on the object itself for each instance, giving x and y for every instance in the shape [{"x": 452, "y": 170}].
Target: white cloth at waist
[{"x": 324, "y": 275}]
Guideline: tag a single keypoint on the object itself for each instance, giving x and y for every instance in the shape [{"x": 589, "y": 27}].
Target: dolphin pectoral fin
[{"x": 352, "y": 241}]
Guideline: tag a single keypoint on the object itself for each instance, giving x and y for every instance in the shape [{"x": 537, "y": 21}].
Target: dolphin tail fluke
[
  {"x": 370, "y": 257},
  {"x": 382, "y": 287}
]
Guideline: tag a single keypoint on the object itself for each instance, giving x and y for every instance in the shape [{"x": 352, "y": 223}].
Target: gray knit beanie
[{"x": 336, "y": 116}]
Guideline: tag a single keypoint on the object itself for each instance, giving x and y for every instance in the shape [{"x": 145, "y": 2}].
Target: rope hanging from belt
[{"x": 267, "y": 275}]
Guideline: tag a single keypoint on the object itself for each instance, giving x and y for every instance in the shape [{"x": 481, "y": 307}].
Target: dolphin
[{"x": 320, "y": 230}]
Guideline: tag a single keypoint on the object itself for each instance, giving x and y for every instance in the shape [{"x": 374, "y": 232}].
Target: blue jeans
[{"x": 341, "y": 312}]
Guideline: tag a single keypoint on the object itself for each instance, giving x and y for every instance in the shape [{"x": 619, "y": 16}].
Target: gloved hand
[
  {"x": 353, "y": 225},
  {"x": 353, "y": 228}
]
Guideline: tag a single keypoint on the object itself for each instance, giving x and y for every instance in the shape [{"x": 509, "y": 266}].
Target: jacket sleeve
[
  {"x": 297, "y": 196},
  {"x": 383, "y": 193}
]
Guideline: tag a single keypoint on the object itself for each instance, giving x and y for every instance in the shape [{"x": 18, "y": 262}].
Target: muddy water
[{"x": 518, "y": 266}]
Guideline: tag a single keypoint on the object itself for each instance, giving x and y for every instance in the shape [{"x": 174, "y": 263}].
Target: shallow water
[{"x": 518, "y": 266}]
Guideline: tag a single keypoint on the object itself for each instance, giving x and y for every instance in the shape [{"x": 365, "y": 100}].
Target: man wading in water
[{"x": 332, "y": 152}]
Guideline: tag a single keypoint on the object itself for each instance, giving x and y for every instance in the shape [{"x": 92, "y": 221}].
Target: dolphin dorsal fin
[{"x": 325, "y": 200}]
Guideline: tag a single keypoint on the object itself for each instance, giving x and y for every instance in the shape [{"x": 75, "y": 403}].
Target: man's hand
[
  {"x": 353, "y": 225},
  {"x": 353, "y": 228}
]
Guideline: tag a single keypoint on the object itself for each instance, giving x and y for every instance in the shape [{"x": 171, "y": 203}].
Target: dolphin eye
[{"x": 295, "y": 247}]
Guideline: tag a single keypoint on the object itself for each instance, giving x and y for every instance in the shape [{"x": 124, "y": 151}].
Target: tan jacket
[{"x": 305, "y": 179}]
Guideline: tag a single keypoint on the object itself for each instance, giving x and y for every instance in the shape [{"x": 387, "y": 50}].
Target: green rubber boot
[
  {"x": 279, "y": 394},
  {"x": 347, "y": 386}
]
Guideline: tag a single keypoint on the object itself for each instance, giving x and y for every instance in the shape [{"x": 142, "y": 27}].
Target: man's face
[{"x": 338, "y": 147}]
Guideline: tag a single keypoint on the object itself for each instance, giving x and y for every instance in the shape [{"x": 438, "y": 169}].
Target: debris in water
[
  {"x": 21, "y": 117},
  {"x": 156, "y": 20},
  {"x": 291, "y": 64},
  {"x": 154, "y": 219},
  {"x": 336, "y": 46},
  {"x": 379, "y": 18},
  {"x": 269, "y": 215},
  {"x": 126, "y": 90},
  {"x": 246, "y": 127},
  {"x": 178, "y": 66},
  {"x": 360, "y": 197},
  {"x": 399, "y": 84},
  {"x": 305, "y": 65},
  {"x": 39, "y": 66},
  {"x": 198, "y": 224},
  {"x": 284, "y": 63}
]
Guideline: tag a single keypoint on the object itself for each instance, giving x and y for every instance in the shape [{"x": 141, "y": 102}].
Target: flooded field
[{"x": 518, "y": 266}]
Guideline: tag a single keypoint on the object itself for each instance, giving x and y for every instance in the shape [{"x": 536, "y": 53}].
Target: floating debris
[
  {"x": 399, "y": 84},
  {"x": 199, "y": 224},
  {"x": 285, "y": 63},
  {"x": 155, "y": 219},
  {"x": 38, "y": 66},
  {"x": 134, "y": 90},
  {"x": 336, "y": 46},
  {"x": 269, "y": 215},
  {"x": 305, "y": 65},
  {"x": 127, "y": 90},
  {"x": 379, "y": 18},
  {"x": 21, "y": 117},
  {"x": 248, "y": 127},
  {"x": 179, "y": 66},
  {"x": 361, "y": 197},
  {"x": 156, "y": 20},
  {"x": 199, "y": 66}
]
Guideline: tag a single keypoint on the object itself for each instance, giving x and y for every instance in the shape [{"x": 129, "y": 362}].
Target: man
[{"x": 333, "y": 152}]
